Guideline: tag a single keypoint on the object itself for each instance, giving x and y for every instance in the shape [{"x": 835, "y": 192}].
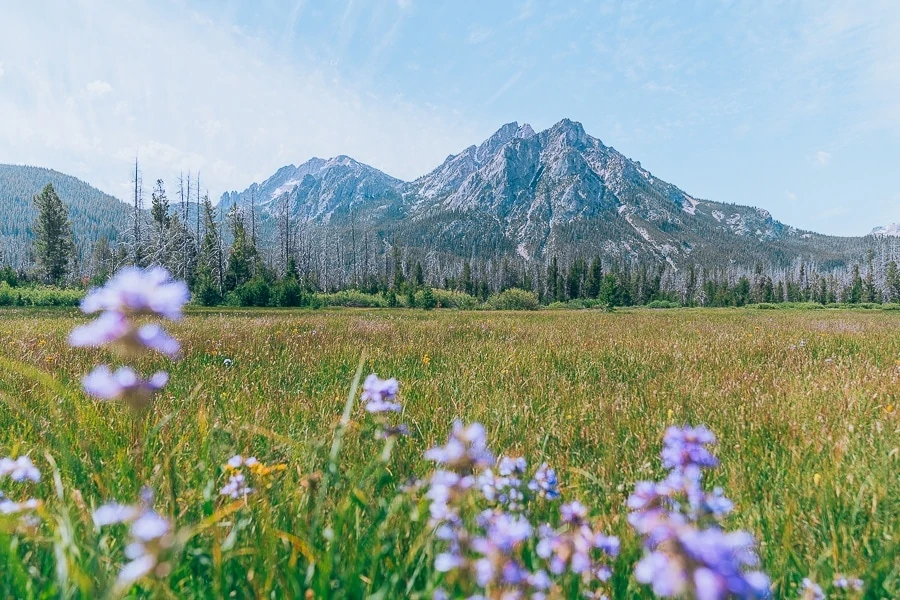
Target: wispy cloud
[
  {"x": 1, "y": 69},
  {"x": 479, "y": 34},
  {"x": 791, "y": 196},
  {"x": 98, "y": 88},
  {"x": 504, "y": 88},
  {"x": 204, "y": 98},
  {"x": 822, "y": 158}
]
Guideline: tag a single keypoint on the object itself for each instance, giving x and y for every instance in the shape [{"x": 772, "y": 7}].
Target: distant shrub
[
  {"x": 514, "y": 299},
  {"x": 38, "y": 296},
  {"x": 804, "y": 305},
  {"x": 868, "y": 306},
  {"x": 557, "y": 306},
  {"x": 425, "y": 299},
  {"x": 289, "y": 293},
  {"x": 255, "y": 292},
  {"x": 891, "y": 306},
  {"x": 663, "y": 304},
  {"x": 453, "y": 299},
  {"x": 352, "y": 298}
]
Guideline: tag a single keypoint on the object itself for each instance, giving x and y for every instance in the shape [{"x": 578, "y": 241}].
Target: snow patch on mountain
[
  {"x": 892, "y": 230},
  {"x": 689, "y": 205}
]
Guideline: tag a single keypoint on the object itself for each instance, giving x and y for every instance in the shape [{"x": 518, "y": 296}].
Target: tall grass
[{"x": 804, "y": 404}]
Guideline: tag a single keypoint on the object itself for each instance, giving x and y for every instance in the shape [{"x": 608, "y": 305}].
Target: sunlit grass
[{"x": 805, "y": 405}]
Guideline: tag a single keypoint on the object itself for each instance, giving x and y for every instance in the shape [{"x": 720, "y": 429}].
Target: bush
[
  {"x": 289, "y": 293},
  {"x": 255, "y": 292},
  {"x": 352, "y": 298},
  {"x": 207, "y": 294},
  {"x": 38, "y": 296},
  {"x": 425, "y": 299},
  {"x": 453, "y": 299},
  {"x": 514, "y": 299},
  {"x": 665, "y": 304}
]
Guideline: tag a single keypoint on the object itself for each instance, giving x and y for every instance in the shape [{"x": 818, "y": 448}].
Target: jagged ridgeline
[
  {"x": 509, "y": 208},
  {"x": 521, "y": 197},
  {"x": 93, "y": 213}
]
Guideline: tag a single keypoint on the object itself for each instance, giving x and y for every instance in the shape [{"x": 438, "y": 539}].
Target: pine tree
[
  {"x": 159, "y": 212},
  {"x": 892, "y": 282},
  {"x": 242, "y": 256},
  {"x": 594, "y": 278},
  {"x": 208, "y": 277},
  {"x": 101, "y": 262},
  {"x": 53, "y": 244}
]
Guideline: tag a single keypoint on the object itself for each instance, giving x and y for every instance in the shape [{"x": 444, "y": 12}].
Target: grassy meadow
[{"x": 804, "y": 403}]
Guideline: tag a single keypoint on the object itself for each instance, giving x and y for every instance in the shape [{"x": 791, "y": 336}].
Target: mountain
[
  {"x": 528, "y": 196},
  {"x": 320, "y": 190},
  {"x": 93, "y": 213},
  {"x": 892, "y": 230}
]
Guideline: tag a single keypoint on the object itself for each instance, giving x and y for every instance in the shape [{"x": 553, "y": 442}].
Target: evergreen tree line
[{"x": 224, "y": 262}]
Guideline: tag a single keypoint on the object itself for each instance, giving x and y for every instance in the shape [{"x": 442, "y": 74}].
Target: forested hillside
[{"x": 93, "y": 213}]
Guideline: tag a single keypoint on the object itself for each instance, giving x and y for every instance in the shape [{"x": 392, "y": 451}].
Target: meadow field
[{"x": 804, "y": 405}]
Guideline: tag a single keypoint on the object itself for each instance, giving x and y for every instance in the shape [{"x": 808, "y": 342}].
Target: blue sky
[{"x": 790, "y": 106}]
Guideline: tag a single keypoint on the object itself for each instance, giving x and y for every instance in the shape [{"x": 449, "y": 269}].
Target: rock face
[
  {"x": 532, "y": 195},
  {"x": 892, "y": 230}
]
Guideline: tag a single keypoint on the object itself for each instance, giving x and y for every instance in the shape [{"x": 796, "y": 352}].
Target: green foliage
[
  {"x": 425, "y": 298},
  {"x": 53, "y": 242},
  {"x": 288, "y": 293},
  {"x": 43, "y": 296},
  {"x": 352, "y": 298},
  {"x": 255, "y": 292},
  {"x": 662, "y": 304},
  {"x": 454, "y": 299},
  {"x": 93, "y": 214},
  {"x": 514, "y": 299}
]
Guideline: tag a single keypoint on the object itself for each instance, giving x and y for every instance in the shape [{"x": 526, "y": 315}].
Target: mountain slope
[
  {"x": 93, "y": 213},
  {"x": 529, "y": 196},
  {"x": 892, "y": 230}
]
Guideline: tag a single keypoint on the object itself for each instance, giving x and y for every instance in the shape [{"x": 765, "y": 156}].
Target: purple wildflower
[
  {"x": 851, "y": 583},
  {"x": 811, "y": 590},
  {"x": 10, "y": 507},
  {"x": 123, "y": 384},
  {"x": 134, "y": 291},
  {"x": 572, "y": 549},
  {"x": 574, "y": 512},
  {"x": 105, "y": 329},
  {"x": 150, "y": 536},
  {"x": 709, "y": 563},
  {"x": 544, "y": 483},
  {"x": 115, "y": 328},
  {"x": 378, "y": 394},
  {"x": 685, "y": 446},
  {"x": 19, "y": 469},
  {"x": 686, "y": 551},
  {"x": 466, "y": 448},
  {"x": 236, "y": 487}
]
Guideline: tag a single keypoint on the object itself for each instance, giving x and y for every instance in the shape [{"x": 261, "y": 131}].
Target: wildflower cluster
[
  {"x": 151, "y": 538},
  {"x": 133, "y": 293},
  {"x": 481, "y": 512},
  {"x": 240, "y": 470},
  {"x": 380, "y": 398},
  {"x": 19, "y": 470},
  {"x": 686, "y": 550},
  {"x": 810, "y": 590}
]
